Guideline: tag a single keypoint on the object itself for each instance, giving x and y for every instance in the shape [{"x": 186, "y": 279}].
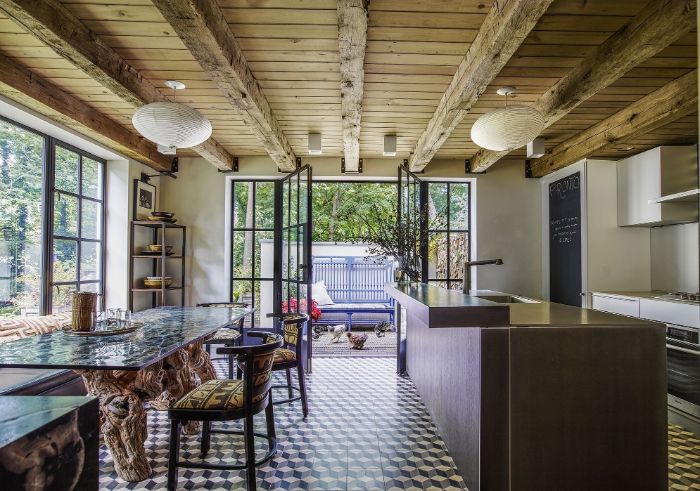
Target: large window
[
  {"x": 252, "y": 243},
  {"x": 51, "y": 222},
  {"x": 448, "y": 232}
]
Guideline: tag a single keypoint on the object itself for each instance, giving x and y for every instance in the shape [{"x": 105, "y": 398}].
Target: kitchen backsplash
[{"x": 674, "y": 258}]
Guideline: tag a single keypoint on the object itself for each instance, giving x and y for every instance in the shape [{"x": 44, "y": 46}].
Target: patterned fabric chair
[
  {"x": 227, "y": 400},
  {"x": 289, "y": 356},
  {"x": 24, "y": 327},
  {"x": 231, "y": 335}
]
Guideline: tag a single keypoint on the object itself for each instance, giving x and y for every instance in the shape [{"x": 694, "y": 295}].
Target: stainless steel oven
[{"x": 683, "y": 353}]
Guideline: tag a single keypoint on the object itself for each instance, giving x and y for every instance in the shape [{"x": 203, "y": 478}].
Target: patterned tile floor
[
  {"x": 368, "y": 429},
  {"x": 683, "y": 459}
]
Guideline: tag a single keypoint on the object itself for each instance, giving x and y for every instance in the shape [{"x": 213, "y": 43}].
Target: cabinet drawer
[
  {"x": 670, "y": 312},
  {"x": 616, "y": 305}
]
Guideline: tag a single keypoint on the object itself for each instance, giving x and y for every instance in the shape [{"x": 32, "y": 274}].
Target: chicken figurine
[
  {"x": 336, "y": 332},
  {"x": 357, "y": 341}
]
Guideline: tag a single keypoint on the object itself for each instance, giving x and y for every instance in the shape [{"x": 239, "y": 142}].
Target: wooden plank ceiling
[{"x": 413, "y": 50}]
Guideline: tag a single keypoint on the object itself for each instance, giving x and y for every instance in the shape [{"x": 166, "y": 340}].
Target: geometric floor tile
[
  {"x": 683, "y": 459},
  {"x": 367, "y": 429}
]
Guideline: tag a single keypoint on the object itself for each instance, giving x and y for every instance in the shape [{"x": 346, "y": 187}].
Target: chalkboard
[{"x": 565, "y": 240}]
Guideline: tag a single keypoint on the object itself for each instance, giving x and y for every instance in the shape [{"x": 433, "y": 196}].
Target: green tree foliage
[
  {"x": 343, "y": 212},
  {"x": 20, "y": 216}
]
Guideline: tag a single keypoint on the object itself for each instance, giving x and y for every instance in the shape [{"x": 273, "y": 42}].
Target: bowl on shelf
[
  {"x": 161, "y": 219},
  {"x": 159, "y": 248},
  {"x": 157, "y": 281},
  {"x": 163, "y": 214}
]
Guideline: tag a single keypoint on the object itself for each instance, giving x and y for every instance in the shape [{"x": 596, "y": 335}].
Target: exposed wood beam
[
  {"x": 23, "y": 86},
  {"x": 352, "y": 37},
  {"x": 656, "y": 26},
  {"x": 58, "y": 28},
  {"x": 506, "y": 26},
  {"x": 202, "y": 26},
  {"x": 672, "y": 101}
]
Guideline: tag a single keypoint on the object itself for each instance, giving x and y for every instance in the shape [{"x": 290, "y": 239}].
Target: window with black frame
[
  {"x": 253, "y": 247},
  {"x": 78, "y": 211},
  {"x": 51, "y": 222},
  {"x": 448, "y": 215}
]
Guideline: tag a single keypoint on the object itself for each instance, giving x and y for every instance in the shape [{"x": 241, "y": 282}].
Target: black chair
[
  {"x": 231, "y": 335},
  {"x": 227, "y": 400},
  {"x": 290, "y": 356}
]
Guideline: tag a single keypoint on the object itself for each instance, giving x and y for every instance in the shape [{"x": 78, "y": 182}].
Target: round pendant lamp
[
  {"x": 171, "y": 124},
  {"x": 507, "y": 128}
]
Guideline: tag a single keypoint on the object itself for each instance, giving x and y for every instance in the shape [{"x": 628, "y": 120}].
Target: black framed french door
[
  {"x": 293, "y": 248},
  {"x": 412, "y": 202}
]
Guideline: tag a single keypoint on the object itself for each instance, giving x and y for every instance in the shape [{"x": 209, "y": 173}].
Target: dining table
[{"x": 157, "y": 363}]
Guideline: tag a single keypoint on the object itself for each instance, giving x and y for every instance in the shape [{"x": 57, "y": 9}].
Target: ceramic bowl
[
  {"x": 156, "y": 281},
  {"x": 159, "y": 248}
]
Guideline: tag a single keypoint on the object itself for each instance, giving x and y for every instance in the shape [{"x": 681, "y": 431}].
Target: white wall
[
  {"x": 674, "y": 258},
  {"x": 119, "y": 176},
  {"x": 508, "y": 227},
  {"x": 198, "y": 199}
]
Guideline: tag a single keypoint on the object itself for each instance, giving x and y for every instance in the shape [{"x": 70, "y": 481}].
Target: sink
[{"x": 506, "y": 299}]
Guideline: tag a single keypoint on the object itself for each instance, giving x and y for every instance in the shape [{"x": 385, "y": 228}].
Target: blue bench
[{"x": 356, "y": 285}]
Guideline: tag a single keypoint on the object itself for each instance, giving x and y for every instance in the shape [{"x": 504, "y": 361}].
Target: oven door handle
[{"x": 684, "y": 350}]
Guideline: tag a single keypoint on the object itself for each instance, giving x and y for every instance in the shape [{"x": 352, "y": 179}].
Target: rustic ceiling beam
[
  {"x": 201, "y": 25},
  {"x": 506, "y": 26},
  {"x": 22, "y": 86},
  {"x": 669, "y": 103},
  {"x": 352, "y": 37},
  {"x": 58, "y": 28},
  {"x": 656, "y": 26}
]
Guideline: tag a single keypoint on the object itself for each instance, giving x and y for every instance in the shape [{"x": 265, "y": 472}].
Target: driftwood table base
[{"x": 122, "y": 394}]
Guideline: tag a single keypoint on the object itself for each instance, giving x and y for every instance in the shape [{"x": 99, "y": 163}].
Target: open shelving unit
[{"x": 161, "y": 265}]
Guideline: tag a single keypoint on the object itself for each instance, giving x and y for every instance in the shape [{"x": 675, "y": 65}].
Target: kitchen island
[{"x": 532, "y": 395}]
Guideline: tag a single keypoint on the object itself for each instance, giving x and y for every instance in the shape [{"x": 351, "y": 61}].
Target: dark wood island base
[{"x": 558, "y": 398}]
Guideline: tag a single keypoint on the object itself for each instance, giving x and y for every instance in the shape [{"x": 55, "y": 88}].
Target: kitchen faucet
[{"x": 467, "y": 275}]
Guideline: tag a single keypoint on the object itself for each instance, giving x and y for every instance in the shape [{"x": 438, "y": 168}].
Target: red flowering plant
[{"x": 292, "y": 305}]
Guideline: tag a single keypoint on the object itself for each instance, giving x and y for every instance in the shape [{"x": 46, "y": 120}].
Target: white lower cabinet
[
  {"x": 616, "y": 305},
  {"x": 670, "y": 312}
]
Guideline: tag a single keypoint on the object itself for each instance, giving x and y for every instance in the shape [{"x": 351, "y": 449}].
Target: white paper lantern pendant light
[
  {"x": 171, "y": 124},
  {"x": 509, "y": 127}
]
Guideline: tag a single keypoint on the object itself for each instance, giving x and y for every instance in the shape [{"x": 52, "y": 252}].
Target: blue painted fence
[{"x": 352, "y": 279}]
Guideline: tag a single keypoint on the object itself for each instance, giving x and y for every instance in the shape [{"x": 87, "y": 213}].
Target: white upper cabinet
[{"x": 646, "y": 181}]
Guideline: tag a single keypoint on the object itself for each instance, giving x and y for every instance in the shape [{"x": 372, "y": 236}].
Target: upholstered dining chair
[
  {"x": 289, "y": 356},
  {"x": 230, "y": 335},
  {"x": 227, "y": 400}
]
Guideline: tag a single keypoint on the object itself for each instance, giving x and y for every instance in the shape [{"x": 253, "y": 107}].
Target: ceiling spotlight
[
  {"x": 171, "y": 125},
  {"x": 535, "y": 148},
  {"x": 507, "y": 128},
  {"x": 315, "y": 144},
  {"x": 389, "y": 146}
]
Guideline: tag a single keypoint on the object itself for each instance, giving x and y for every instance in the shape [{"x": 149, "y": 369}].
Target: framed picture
[{"x": 144, "y": 199}]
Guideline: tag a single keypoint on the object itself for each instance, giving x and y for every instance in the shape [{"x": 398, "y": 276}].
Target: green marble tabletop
[{"x": 164, "y": 331}]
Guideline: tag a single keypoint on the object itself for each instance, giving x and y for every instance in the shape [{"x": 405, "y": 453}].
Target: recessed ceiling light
[
  {"x": 315, "y": 144},
  {"x": 389, "y": 146}
]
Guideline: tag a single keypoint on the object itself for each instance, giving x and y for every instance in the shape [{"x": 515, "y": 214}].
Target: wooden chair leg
[
  {"x": 270, "y": 417},
  {"x": 289, "y": 382},
  {"x": 230, "y": 366},
  {"x": 302, "y": 389},
  {"x": 249, "y": 453},
  {"x": 206, "y": 437},
  {"x": 174, "y": 451}
]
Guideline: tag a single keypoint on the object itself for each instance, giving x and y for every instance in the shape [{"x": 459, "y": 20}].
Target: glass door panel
[{"x": 295, "y": 247}]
